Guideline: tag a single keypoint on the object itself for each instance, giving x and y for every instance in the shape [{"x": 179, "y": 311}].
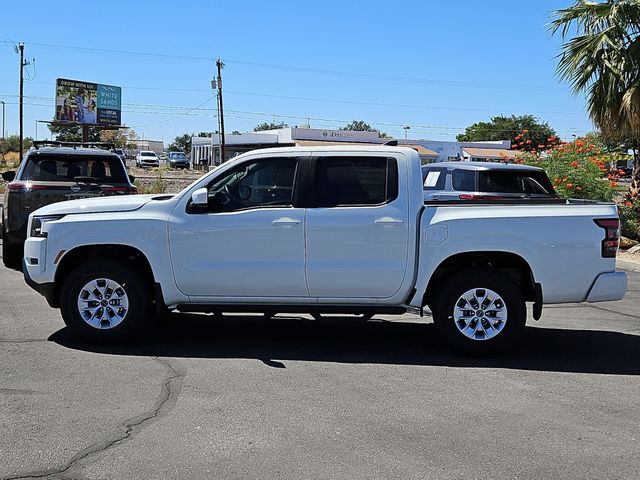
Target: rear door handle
[
  {"x": 286, "y": 222},
  {"x": 388, "y": 221}
]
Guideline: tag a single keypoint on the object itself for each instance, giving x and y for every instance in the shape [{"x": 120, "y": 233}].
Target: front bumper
[
  {"x": 608, "y": 286},
  {"x": 47, "y": 289}
]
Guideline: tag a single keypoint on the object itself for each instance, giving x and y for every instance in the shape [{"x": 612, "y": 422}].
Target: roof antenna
[{"x": 391, "y": 143}]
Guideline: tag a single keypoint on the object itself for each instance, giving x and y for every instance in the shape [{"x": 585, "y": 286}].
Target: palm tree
[{"x": 602, "y": 60}]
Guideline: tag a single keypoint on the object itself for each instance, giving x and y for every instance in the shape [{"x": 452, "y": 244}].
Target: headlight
[{"x": 38, "y": 222}]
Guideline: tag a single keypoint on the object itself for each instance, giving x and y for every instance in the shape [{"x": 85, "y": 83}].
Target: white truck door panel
[
  {"x": 356, "y": 251},
  {"x": 258, "y": 253},
  {"x": 248, "y": 241}
]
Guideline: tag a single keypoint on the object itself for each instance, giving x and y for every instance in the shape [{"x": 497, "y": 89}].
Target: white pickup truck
[{"x": 320, "y": 230}]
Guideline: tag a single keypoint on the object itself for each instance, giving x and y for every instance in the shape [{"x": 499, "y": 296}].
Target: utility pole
[
  {"x": 220, "y": 66},
  {"x": 2, "y": 119},
  {"x": 22, "y": 65},
  {"x": 20, "y": 49}
]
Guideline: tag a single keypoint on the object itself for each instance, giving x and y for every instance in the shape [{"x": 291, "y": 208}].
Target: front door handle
[
  {"x": 286, "y": 222},
  {"x": 388, "y": 222}
]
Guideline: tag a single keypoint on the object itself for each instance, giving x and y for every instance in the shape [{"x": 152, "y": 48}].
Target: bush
[
  {"x": 577, "y": 170},
  {"x": 629, "y": 210}
]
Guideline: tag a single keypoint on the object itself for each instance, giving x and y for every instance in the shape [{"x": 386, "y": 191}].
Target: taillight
[
  {"x": 611, "y": 236},
  {"x": 18, "y": 186},
  {"x": 468, "y": 196}
]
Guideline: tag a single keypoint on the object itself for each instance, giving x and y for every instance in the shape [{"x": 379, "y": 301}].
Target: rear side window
[
  {"x": 463, "y": 180},
  {"x": 68, "y": 168},
  {"x": 355, "y": 181},
  {"x": 524, "y": 182}
]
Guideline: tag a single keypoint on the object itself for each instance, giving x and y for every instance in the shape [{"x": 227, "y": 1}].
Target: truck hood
[{"x": 125, "y": 203}]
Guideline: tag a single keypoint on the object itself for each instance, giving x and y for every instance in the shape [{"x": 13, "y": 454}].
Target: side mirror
[
  {"x": 200, "y": 198},
  {"x": 8, "y": 176}
]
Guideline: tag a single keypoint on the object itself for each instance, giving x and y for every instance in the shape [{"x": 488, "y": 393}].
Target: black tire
[
  {"x": 12, "y": 253},
  {"x": 140, "y": 306},
  {"x": 479, "y": 279}
]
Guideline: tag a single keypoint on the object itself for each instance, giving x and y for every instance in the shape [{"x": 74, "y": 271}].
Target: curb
[{"x": 628, "y": 265}]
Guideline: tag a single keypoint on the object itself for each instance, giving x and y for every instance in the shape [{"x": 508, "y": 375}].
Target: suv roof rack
[{"x": 54, "y": 143}]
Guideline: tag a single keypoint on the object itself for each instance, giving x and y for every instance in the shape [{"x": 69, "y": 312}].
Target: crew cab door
[
  {"x": 249, "y": 241},
  {"x": 357, "y": 229}
]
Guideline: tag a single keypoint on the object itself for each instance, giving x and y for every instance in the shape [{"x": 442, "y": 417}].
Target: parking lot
[{"x": 244, "y": 397}]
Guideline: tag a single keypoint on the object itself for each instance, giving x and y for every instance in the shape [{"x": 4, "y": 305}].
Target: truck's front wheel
[
  {"x": 105, "y": 301},
  {"x": 479, "y": 312}
]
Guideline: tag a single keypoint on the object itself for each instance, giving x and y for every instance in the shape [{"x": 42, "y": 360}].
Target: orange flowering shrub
[
  {"x": 576, "y": 169},
  {"x": 629, "y": 210}
]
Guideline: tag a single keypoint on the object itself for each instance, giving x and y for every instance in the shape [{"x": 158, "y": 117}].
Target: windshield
[
  {"x": 180, "y": 156},
  {"x": 66, "y": 168},
  {"x": 148, "y": 154}
]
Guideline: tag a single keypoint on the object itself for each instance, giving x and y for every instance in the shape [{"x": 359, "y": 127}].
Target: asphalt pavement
[{"x": 243, "y": 397}]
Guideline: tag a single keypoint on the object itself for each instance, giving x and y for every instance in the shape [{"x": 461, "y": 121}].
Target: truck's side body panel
[{"x": 370, "y": 255}]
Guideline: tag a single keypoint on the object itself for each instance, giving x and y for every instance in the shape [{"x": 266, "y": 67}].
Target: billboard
[{"x": 86, "y": 102}]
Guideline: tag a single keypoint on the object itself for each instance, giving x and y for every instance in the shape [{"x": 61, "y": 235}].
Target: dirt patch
[{"x": 162, "y": 180}]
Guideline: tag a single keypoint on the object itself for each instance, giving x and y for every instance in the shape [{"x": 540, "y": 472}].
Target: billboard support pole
[{"x": 85, "y": 133}]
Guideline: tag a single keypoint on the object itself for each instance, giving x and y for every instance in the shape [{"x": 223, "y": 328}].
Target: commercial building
[{"x": 205, "y": 151}]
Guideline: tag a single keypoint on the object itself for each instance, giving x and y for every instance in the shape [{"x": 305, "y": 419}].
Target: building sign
[
  {"x": 334, "y": 135},
  {"x": 86, "y": 102}
]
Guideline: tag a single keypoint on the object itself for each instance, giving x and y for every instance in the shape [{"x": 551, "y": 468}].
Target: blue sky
[{"x": 435, "y": 66}]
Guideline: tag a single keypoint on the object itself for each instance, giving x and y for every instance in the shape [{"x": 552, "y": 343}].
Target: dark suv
[
  {"x": 53, "y": 172},
  {"x": 178, "y": 160},
  {"x": 484, "y": 181}
]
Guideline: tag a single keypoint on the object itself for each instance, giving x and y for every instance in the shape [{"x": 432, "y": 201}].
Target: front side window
[
  {"x": 433, "y": 178},
  {"x": 341, "y": 181},
  {"x": 254, "y": 184}
]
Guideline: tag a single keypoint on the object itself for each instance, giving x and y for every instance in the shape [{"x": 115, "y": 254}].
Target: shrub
[
  {"x": 577, "y": 170},
  {"x": 629, "y": 210}
]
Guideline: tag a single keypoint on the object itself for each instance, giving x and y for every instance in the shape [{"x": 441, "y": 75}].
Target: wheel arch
[
  {"x": 511, "y": 264},
  {"x": 74, "y": 257}
]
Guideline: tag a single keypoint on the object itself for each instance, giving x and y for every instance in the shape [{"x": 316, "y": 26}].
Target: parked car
[
  {"x": 178, "y": 160},
  {"x": 121, "y": 154},
  {"x": 484, "y": 180},
  {"x": 147, "y": 158},
  {"x": 52, "y": 172},
  {"x": 321, "y": 230}
]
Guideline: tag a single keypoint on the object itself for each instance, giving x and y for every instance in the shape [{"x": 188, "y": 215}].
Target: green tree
[
  {"x": 181, "y": 143},
  {"x": 508, "y": 128},
  {"x": 118, "y": 137},
  {"x": 362, "y": 126},
  {"x": 269, "y": 126},
  {"x": 601, "y": 61},
  {"x": 73, "y": 133},
  {"x": 359, "y": 126}
]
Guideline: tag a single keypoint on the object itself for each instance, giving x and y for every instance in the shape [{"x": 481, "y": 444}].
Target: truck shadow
[{"x": 277, "y": 340}]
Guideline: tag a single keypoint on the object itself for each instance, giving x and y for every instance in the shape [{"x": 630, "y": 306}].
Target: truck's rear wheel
[
  {"x": 106, "y": 301},
  {"x": 479, "y": 312}
]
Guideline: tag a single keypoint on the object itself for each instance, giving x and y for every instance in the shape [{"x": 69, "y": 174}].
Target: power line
[
  {"x": 315, "y": 71},
  {"x": 350, "y": 102},
  {"x": 199, "y": 111}
]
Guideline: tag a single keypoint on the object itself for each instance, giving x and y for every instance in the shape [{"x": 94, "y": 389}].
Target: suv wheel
[
  {"x": 480, "y": 312},
  {"x": 106, "y": 301}
]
